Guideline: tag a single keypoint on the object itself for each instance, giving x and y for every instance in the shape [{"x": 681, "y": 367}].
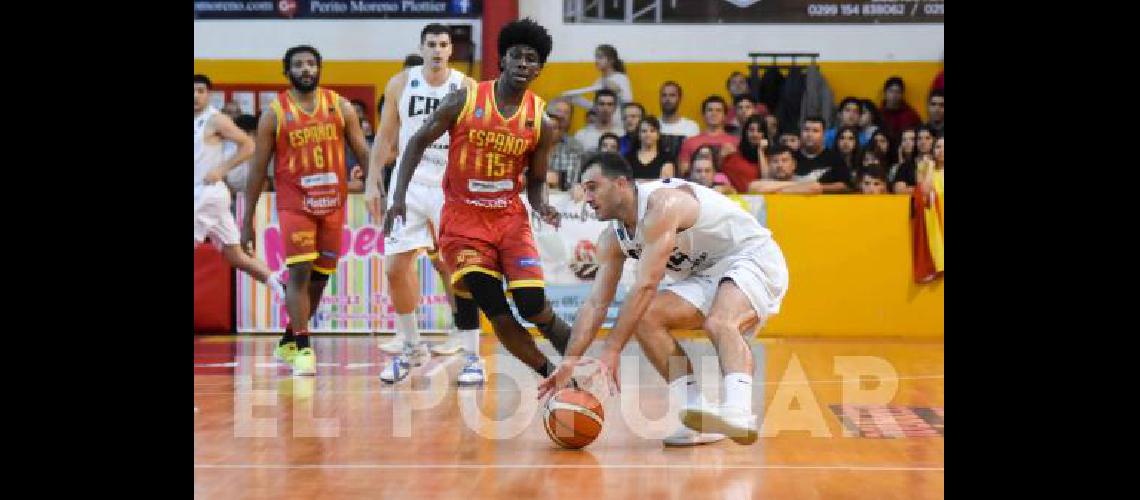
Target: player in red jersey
[
  {"x": 499, "y": 140},
  {"x": 306, "y": 132}
]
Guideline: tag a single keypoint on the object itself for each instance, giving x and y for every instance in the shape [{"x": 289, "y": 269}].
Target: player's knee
[
  {"x": 488, "y": 293},
  {"x": 396, "y": 266},
  {"x": 300, "y": 273},
  {"x": 530, "y": 301},
  {"x": 466, "y": 313},
  {"x": 718, "y": 326}
]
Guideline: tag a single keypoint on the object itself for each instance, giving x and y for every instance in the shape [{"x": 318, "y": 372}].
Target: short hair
[
  {"x": 602, "y": 92},
  {"x": 608, "y": 135},
  {"x": 813, "y": 118},
  {"x": 851, "y": 100},
  {"x": 743, "y": 97},
  {"x": 358, "y": 102},
  {"x": 671, "y": 83},
  {"x": 714, "y": 156},
  {"x": 636, "y": 104},
  {"x": 711, "y": 99},
  {"x": 525, "y": 32},
  {"x": 246, "y": 122},
  {"x": 205, "y": 80},
  {"x": 728, "y": 82},
  {"x": 789, "y": 130},
  {"x": 778, "y": 149},
  {"x": 434, "y": 29},
  {"x": 935, "y": 93},
  {"x": 894, "y": 80},
  {"x": 297, "y": 50},
  {"x": 612, "y": 164},
  {"x": 413, "y": 60},
  {"x": 874, "y": 172}
]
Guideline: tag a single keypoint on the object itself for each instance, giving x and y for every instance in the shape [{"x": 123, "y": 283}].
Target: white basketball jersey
[
  {"x": 722, "y": 227},
  {"x": 417, "y": 102},
  {"x": 206, "y": 156}
]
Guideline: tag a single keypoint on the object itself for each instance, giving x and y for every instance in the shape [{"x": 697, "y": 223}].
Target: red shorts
[
  {"x": 311, "y": 238},
  {"x": 498, "y": 243}
]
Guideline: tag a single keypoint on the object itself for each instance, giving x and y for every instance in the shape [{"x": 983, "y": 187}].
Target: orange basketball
[{"x": 573, "y": 418}]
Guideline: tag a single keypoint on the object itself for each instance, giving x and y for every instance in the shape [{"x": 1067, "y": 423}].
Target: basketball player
[
  {"x": 498, "y": 135},
  {"x": 415, "y": 93},
  {"x": 305, "y": 131},
  {"x": 212, "y": 216},
  {"x": 730, "y": 277}
]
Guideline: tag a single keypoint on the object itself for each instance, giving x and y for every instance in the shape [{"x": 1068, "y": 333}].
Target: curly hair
[{"x": 526, "y": 32}]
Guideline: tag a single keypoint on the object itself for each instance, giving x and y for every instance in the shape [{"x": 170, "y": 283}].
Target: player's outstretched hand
[
  {"x": 559, "y": 379},
  {"x": 397, "y": 210},
  {"x": 550, "y": 215},
  {"x": 611, "y": 361}
]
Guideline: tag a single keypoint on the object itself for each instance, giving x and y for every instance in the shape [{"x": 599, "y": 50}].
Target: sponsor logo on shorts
[
  {"x": 495, "y": 203},
  {"x": 325, "y": 179},
  {"x": 529, "y": 262},
  {"x": 321, "y": 203},
  {"x": 481, "y": 186},
  {"x": 467, "y": 257},
  {"x": 304, "y": 239}
]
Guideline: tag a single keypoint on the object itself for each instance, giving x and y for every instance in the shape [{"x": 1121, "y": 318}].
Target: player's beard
[{"x": 300, "y": 84}]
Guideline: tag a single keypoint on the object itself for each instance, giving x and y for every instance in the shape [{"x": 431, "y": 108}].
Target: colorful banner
[
  {"x": 757, "y": 11},
  {"x": 357, "y": 300},
  {"x": 336, "y": 9}
]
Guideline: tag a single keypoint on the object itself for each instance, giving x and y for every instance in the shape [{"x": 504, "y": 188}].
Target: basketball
[{"x": 573, "y": 418}]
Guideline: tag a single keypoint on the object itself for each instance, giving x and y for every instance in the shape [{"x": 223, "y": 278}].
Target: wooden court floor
[{"x": 840, "y": 419}]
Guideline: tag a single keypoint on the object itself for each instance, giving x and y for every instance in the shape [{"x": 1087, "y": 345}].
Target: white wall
[{"x": 393, "y": 39}]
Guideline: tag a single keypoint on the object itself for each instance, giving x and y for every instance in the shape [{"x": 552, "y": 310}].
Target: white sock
[
  {"x": 406, "y": 328},
  {"x": 738, "y": 391},
  {"x": 687, "y": 390},
  {"x": 469, "y": 339}
]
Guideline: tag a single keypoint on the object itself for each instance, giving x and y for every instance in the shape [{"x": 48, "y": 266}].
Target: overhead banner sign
[
  {"x": 759, "y": 11},
  {"x": 338, "y": 9}
]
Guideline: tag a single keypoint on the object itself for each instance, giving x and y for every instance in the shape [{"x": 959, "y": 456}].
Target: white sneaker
[
  {"x": 393, "y": 346},
  {"x": 396, "y": 370},
  {"x": 739, "y": 425},
  {"x": 472, "y": 373},
  {"x": 418, "y": 355},
  {"x": 688, "y": 437},
  {"x": 452, "y": 346}
]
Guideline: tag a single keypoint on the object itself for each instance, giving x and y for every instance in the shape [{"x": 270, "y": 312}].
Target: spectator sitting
[
  {"x": 898, "y": 176},
  {"x": 745, "y": 106},
  {"x": 751, "y": 162},
  {"x": 850, "y": 115},
  {"x": 790, "y": 138},
  {"x": 848, "y": 151},
  {"x": 631, "y": 115},
  {"x": 772, "y": 127},
  {"x": 232, "y": 109},
  {"x": 736, "y": 85},
  {"x": 897, "y": 114},
  {"x": 818, "y": 163},
  {"x": 365, "y": 123},
  {"x": 612, "y": 78},
  {"x": 566, "y": 152},
  {"x": 938, "y": 165},
  {"x": 647, "y": 159},
  {"x": 873, "y": 180},
  {"x": 605, "y": 103},
  {"x": 881, "y": 144},
  {"x": 870, "y": 120},
  {"x": 713, "y": 108},
  {"x": 674, "y": 128},
  {"x": 784, "y": 178},
  {"x": 609, "y": 142},
  {"x": 936, "y": 106},
  {"x": 908, "y": 175},
  {"x": 705, "y": 171}
]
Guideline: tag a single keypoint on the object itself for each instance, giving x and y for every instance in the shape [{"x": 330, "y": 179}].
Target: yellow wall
[
  {"x": 849, "y": 261},
  {"x": 698, "y": 79}
]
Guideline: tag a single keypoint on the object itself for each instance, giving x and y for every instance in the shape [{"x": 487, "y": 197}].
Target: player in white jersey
[
  {"x": 730, "y": 277},
  {"x": 413, "y": 95},
  {"x": 212, "y": 216}
]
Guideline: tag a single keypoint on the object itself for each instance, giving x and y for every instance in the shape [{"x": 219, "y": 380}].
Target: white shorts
[
  {"x": 759, "y": 270},
  {"x": 212, "y": 217},
  {"x": 421, "y": 222}
]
